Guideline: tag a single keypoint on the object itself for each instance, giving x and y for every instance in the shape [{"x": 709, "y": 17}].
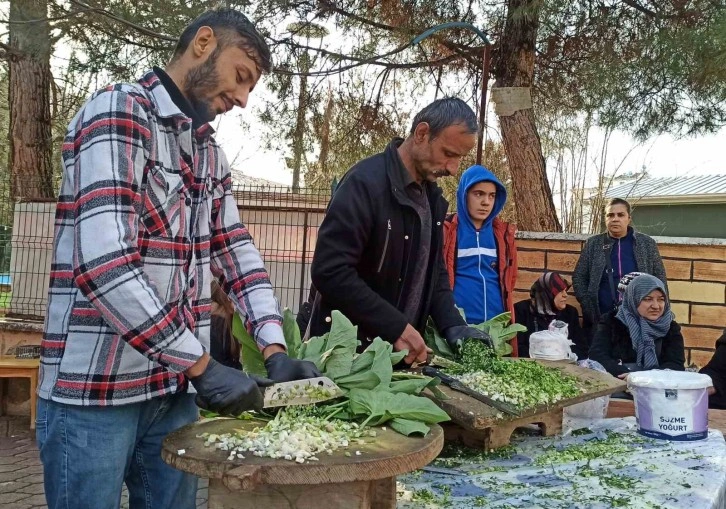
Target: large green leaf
[
  {"x": 341, "y": 345},
  {"x": 313, "y": 349},
  {"x": 436, "y": 342},
  {"x": 252, "y": 360},
  {"x": 361, "y": 380},
  {"x": 381, "y": 406},
  {"x": 411, "y": 386},
  {"x": 409, "y": 427},
  {"x": 501, "y": 332},
  {"x": 292, "y": 333}
]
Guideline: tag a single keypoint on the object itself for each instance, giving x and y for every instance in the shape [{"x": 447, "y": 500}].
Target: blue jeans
[{"x": 89, "y": 452}]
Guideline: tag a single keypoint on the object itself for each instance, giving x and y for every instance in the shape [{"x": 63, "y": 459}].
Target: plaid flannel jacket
[{"x": 144, "y": 218}]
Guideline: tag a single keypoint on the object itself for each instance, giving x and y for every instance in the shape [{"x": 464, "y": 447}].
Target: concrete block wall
[{"x": 696, "y": 270}]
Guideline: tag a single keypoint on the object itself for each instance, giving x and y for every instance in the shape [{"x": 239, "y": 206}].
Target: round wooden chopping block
[{"x": 386, "y": 455}]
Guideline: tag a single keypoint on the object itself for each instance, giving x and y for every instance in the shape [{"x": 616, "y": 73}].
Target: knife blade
[
  {"x": 441, "y": 470},
  {"x": 301, "y": 392},
  {"x": 460, "y": 387}
]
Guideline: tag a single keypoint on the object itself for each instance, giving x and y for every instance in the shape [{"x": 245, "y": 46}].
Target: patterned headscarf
[
  {"x": 543, "y": 292},
  {"x": 624, "y": 282},
  {"x": 644, "y": 332}
]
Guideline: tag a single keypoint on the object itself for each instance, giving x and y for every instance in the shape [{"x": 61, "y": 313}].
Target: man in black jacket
[{"x": 378, "y": 257}]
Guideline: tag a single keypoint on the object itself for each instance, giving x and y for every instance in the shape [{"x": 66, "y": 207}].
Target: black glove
[
  {"x": 282, "y": 368},
  {"x": 456, "y": 334},
  {"x": 228, "y": 391}
]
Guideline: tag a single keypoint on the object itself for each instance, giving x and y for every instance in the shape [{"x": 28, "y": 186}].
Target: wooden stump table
[{"x": 365, "y": 481}]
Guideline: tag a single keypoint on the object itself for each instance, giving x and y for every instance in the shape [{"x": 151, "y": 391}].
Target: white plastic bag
[
  {"x": 559, "y": 327},
  {"x": 592, "y": 409},
  {"x": 550, "y": 346}
]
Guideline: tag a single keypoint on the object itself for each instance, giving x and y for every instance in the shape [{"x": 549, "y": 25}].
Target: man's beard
[{"x": 198, "y": 82}]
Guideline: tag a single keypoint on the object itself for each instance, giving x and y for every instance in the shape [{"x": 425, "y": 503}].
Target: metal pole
[
  {"x": 302, "y": 265},
  {"x": 483, "y": 106}
]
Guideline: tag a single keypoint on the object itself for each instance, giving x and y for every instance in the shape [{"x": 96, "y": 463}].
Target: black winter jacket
[
  {"x": 523, "y": 315},
  {"x": 612, "y": 347},
  {"x": 716, "y": 369},
  {"x": 367, "y": 248}
]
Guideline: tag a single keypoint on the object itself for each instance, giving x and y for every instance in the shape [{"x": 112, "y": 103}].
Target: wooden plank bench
[{"x": 10, "y": 367}]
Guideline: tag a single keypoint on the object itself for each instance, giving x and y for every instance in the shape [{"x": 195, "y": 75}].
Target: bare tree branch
[
  {"x": 123, "y": 21},
  {"x": 69, "y": 14},
  {"x": 635, "y": 5}
]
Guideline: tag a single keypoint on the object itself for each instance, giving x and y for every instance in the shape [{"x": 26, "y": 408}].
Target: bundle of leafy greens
[
  {"x": 498, "y": 328},
  {"x": 375, "y": 395}
]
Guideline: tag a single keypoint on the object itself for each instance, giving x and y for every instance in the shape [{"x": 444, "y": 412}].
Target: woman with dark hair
[
  {"x": 223, "y": 347},
  {"x": 642, "y": 333},
  {"x": 547, "y": 302}
]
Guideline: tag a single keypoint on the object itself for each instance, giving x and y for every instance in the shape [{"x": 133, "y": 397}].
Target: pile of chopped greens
[
  {"x": 522, "y": 383},
  {"x": 299, "y": 433},
  {"x": 374, "y": 394},
  {"x": 612, "y": 445}
]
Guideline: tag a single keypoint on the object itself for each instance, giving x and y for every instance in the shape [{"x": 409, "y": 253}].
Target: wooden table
[
  {"x": 10, "y": 367},
  {"x": 365, "y": 481},
  {"x": 476, "y": 424}
]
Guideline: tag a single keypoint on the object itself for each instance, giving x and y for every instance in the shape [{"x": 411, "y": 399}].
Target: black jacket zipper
[{"x": 385, "y": 247}]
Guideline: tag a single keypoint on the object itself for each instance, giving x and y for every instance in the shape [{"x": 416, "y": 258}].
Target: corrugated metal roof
[{"x": 674, "y": 186}]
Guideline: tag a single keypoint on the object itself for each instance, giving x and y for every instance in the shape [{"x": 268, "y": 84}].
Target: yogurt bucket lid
[{"x": 668, "y": 379}]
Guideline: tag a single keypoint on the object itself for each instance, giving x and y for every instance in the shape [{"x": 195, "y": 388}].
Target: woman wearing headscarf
[
  {"x": 547, "y": 302},
  {"x": 641, "y": 334}
]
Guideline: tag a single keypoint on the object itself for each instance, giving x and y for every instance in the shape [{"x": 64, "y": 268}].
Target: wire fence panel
[{"x": 283, "y": 224}]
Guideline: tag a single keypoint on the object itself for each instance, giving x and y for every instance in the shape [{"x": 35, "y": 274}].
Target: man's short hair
[
  {"x": 446, "y": 112},
  {"x": 618, "y": 201},
  {"x": 230, "y": 26}
]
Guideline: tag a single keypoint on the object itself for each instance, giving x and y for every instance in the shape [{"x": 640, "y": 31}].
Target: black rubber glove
[
  {"x": 282, "y": 368},
  {"x": 458, "y": 333},
  {"x": 228, "y": 391}
]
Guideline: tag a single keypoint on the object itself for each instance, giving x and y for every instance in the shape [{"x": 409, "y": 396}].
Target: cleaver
[
  {"x": 301, "y": 392},
  {"x": 458, "y": 386}
]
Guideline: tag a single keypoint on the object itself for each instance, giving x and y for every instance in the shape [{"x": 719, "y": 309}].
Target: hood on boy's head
[{"x": 470, "y": 177}]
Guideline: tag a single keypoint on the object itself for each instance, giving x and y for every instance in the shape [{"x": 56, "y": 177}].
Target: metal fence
[{"x": 283, "y": 224}]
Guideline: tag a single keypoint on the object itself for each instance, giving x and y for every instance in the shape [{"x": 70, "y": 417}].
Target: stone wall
[{"x": 696, "y": 270}]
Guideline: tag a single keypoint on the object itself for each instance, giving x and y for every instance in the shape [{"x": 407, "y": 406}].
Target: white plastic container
[{"x": 671, "y": 405}]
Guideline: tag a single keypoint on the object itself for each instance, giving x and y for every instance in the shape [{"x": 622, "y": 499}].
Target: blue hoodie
[{"x": 476, "y": 285}]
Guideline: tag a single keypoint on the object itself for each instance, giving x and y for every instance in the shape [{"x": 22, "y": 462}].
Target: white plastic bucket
[{"x": 671, "y": 405}]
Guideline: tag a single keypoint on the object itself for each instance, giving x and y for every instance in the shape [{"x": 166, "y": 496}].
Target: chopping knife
[
  {"x": 458, "y": 386},
  {"x": 301, "y": 392},
  {"x": 441, "y": 470}
]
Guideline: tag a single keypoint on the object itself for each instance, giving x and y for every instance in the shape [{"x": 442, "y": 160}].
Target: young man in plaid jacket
[{"x": 145, "y": 218}]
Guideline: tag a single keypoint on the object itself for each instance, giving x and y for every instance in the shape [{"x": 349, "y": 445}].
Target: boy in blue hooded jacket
[{"x": 480, "y": 250}]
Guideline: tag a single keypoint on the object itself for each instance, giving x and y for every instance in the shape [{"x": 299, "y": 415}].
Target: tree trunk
[
  {"x": 325, "y": 135},
  {"x": 514, "y": 67},
  {"x": 30, "y": 138},
  {"x": 298, "y": 145}
]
